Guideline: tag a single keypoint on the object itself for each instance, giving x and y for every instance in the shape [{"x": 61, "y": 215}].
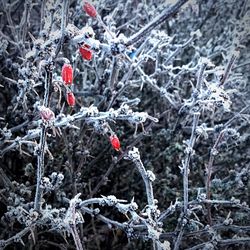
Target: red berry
[
  {"x": 89, "y": 9},
  {"x": 71, "y": 99},
  {"x": 86, "y": 52},
  {"x": 67, "y": 74},
  {"x": 47, "y": 114},
  {"x": 115, "y": 142}
]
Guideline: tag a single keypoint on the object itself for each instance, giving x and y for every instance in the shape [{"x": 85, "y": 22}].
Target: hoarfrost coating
[{"x": 124, "y": 124}]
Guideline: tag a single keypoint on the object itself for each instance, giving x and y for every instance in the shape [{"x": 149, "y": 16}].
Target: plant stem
[
  {"x": 187, "y": 161},
  {"x": 147, "y": 182},
  {"x": 155, "y": 22},
  {"x": 63, "y": 25},
  {"x": 185, "y": 169},
  {"x": 41, "y": 151},
  {"x": 200, "y": 77},
  {"x": 213, "y": 153},
  {"x": 228, "y": 69}
]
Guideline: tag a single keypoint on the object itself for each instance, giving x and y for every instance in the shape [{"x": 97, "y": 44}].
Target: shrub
[{"x": 124, "y": 124}]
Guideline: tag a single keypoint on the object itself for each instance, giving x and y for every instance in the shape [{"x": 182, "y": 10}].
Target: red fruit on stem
[
  {"x": 115, "y": 142},
  {"x": 71, "y": 99},
  {"x": 47, "y": 114},
  {"x": 86, "y": 52},
  {"x": 67, "y": 74},
  {"x": 89, "y": 9}
]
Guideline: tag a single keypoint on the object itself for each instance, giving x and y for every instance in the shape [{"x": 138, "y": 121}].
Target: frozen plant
[{"x": 124, "y": 124}]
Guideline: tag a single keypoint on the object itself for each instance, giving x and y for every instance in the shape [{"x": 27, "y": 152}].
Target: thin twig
[
  {"x": 41, "y": 149},
  {"x": 228, "y": 69},
  {"x": 168, "y": 12},
  {"x": 185, "y": 172}
]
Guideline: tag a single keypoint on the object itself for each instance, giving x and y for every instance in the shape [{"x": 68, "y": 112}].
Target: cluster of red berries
[
  {"x": 85, "y": 50},
  {"x": 67, "y": 77},
  {"x": 67, "y": 72}
]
